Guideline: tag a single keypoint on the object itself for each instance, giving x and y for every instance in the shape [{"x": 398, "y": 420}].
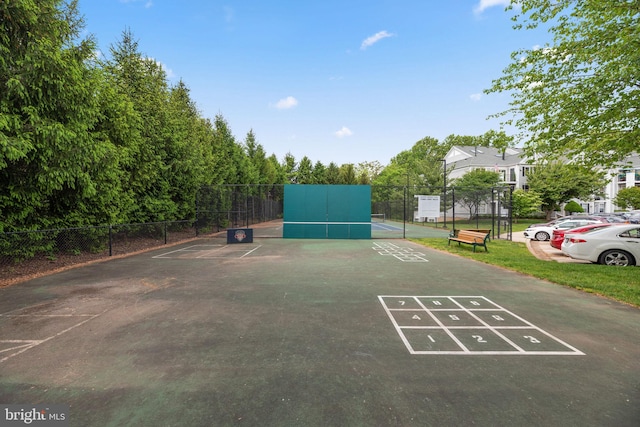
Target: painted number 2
[{"x": 478, "y": 338}]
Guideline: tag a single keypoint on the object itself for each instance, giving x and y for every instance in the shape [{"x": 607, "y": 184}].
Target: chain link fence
[
  {"x": 460, "y": 208},
  {"x": 23, "y": 254},
  {"x": 233, "y": 206}
]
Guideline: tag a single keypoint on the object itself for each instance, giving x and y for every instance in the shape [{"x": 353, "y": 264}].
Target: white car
[
  {"x": 545, "y": 231},
  {"x": 619, "y": 245}
]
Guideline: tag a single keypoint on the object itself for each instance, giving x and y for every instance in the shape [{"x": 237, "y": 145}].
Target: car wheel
[
  {"x": 541, "y": 235},
  {"x": 616, "y": 257}
]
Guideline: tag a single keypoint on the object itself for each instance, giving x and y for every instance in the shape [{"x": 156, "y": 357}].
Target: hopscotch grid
[
  {"x": 463, "y": 350},
  {"x": 401, "y": 254}
]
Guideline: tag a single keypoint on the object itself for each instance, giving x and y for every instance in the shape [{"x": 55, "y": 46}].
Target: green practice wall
[{"x": 327, "y": 211}]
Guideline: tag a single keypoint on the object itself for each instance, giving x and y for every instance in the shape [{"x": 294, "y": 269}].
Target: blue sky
[{"x": 342, "y": 81}]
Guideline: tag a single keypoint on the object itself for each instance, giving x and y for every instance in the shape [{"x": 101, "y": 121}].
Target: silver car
[
  {"x": 544, "y": 232},
  {"x": 619, "y": 245}
]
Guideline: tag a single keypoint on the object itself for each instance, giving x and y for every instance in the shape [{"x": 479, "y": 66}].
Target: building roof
[{"x": 466, "y": 156}]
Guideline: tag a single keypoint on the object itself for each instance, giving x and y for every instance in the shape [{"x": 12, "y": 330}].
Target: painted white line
[
  {"x": 48, "y": 315},
  {"x": 489, "y": 327},
  {"x": 28, "y": 345},
  {"x": 446, "y": 330},
  {"x": 252, "y": 250},
  {"x": 36, "y": 343},
  {"x": 187, "y": 249},
  {"x": 395, "y": 324}
]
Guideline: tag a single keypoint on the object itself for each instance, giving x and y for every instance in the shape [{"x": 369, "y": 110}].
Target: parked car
[
  {"x": 616, "y": 219},
  {"x": 558, "y": 234},
  {"x": 560, "y": 220},
  {"x": 544, "y": 232},
  {"x": 618, "y": 245},
  {"x": 634, "y": 218}
]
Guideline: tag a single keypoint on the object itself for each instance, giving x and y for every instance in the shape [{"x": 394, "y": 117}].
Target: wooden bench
[{"x": 471, "y": 237}]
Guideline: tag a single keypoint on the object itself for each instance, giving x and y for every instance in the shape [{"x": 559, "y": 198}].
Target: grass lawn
[{"x": 619, "y": 283}]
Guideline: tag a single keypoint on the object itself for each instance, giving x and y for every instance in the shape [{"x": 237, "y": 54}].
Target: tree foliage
[
  {"x": 474, "y": 188},
  {"x": 577, "y": 96},
  {"x": 628, "y": 198},
  {"x": 48, "y": 109},
  {"x": 557, "y": 183},
  {"x": 525, "y": 203},
  {"x": 573, "y": 207}
]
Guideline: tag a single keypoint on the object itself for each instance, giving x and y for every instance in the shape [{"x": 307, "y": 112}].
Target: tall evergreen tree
[{"x": 48, "y": 108}]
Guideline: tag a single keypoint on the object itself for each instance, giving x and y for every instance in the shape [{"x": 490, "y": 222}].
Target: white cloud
[
  {"x": 228, "y": 14},
  {"x": 167, "y": 70},
  {"x": 369, "y": 41},
  {"x": 345, "y": 131},
  {"x": 486, "y": 4},
  {"x": 475, "y": 96},
  {"x": 147, "y": 3},
  {"x": 286, "y": 103}
]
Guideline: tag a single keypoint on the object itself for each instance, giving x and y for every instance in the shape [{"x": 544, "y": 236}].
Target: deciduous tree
[
  {"x": 628, "y": 198},
  {"x": 474, "y": 188},
  {"x": 557, "y": 183},
  {"x": 578, "y": 95}
]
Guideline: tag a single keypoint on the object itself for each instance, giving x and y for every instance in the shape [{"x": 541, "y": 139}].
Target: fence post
[
  {"x": 453, "y": 208},
  {"x": 404, "y": 213},
  {"x": 110, "y": 241},
  {"x": 165, "y": 232}
]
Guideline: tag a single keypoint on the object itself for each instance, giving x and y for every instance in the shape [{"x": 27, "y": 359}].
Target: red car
[{"x": 558, "y": 234}]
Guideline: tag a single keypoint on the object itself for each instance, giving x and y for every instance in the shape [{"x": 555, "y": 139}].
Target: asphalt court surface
[
  {"x": 316, "y": 332},
  {"x": 210, "y": 251}
]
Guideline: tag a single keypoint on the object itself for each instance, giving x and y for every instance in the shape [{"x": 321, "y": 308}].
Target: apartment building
[{"x": 513, "y": 167}]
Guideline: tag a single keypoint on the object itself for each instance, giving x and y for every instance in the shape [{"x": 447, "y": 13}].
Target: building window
[
  {"x": 622, "y": 176},
  {"x": 637, "y": 175},
  {"x": 512, "y": 175}
]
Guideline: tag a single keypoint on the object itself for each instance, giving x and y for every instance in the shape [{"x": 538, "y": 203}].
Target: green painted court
[{"x": 309, "y": 332}]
